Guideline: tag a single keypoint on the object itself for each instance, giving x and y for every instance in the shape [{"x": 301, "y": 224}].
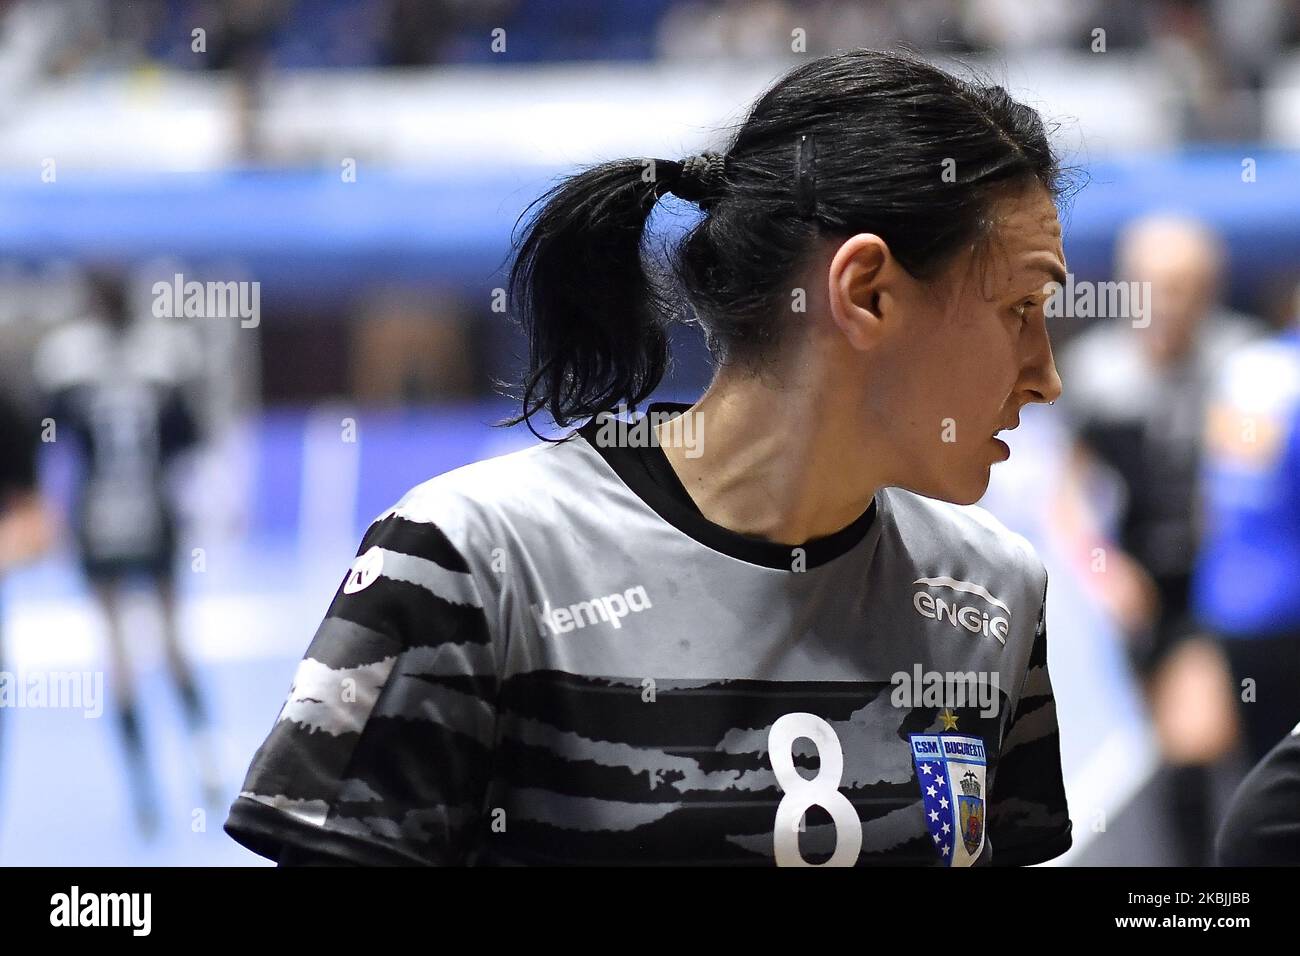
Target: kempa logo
[
  {"x": 75, "y": 908},
  {"x": 610, "y": 609},
  {"x": 972, "y": 618}
]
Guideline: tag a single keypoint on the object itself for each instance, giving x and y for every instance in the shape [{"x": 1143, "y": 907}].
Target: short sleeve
[
  {"x": 1029, "y": 821},
  {"x": 382, "y": 753}
]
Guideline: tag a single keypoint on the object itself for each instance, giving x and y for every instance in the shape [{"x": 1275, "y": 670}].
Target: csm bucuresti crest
[{"x": 951, "y": 769}]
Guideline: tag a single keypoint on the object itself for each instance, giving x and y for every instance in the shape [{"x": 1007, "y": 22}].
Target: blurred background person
[
  {"x": 1247, "y": 582},
  {"x": 25, "y": 525},
  {"x": 113, "y": 386},
  {"x": 1136, "y": 389}
]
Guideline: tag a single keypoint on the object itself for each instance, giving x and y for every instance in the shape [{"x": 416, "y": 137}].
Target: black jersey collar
[{"x": 648, "y": 473}]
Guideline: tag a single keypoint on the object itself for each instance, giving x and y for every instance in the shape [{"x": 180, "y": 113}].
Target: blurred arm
[
  {"x": 26, "y": 529},
  {"x": 1110, "y": 574}
]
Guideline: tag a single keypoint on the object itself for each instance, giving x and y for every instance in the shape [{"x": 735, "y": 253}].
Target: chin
[
  {"x": 965, "y": 496},
  {"x": 971, "y": 497},
  {"x": 957, "y": 489}
]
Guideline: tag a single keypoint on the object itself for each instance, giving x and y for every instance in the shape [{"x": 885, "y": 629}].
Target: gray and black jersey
[{"x": 552, "y": 657}]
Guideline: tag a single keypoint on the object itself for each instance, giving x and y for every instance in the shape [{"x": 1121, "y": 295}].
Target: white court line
[{"x": 69, "y": 634}]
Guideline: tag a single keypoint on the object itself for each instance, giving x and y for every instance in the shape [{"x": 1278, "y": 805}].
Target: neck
[{"x": 774, "y": 464}]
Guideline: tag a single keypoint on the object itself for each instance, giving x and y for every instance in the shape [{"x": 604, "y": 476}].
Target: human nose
[{"x": 1041, "y": 378}]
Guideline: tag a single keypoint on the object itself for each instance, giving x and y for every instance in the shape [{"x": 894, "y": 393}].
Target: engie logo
[
  {"x": 610, "y": 609},
  {"x": 978, "y": 620}
]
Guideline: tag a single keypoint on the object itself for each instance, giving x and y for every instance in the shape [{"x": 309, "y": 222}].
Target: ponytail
[{"x": 594, "y": 319}]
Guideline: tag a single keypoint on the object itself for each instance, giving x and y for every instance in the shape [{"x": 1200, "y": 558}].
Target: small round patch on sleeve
[{"x": 364, "y": 571}]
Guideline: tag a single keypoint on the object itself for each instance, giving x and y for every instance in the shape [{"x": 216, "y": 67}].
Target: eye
[{"x": 1023, "y": 309}]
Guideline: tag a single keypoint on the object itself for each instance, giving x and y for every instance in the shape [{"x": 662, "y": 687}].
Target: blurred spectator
[
  {"x": 412, "y": 347},
  {"x": 418, "y": 32},
  {"x": 1019, "y": 25},
  {"x": 1221, "y": 49},
  {"x": 1135, "y": 393}
]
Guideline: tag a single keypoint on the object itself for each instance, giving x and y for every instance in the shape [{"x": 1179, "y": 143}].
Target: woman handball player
[{"x": 770, "y": 627}]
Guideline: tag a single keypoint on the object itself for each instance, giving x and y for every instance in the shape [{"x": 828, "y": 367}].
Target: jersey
[
  {"x": 128, "y": 420},
  {"x": 1262, "y": 824},
  {"x": 546, "y": 658},
  {"x": 1248, "y": 574}
]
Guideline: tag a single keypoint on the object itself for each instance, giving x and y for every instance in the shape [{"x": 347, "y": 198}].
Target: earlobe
[
  {"x": 855, "y": 298},
  {"x": 858, "y": 318}
]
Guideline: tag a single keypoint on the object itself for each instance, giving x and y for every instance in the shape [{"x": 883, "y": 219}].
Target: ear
[{"x": 855, "y": 277}]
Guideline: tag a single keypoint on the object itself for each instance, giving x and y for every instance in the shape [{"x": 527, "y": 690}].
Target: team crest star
[
  {"x": 925, "y": 768},
  {"x": 943, "y": 802},
  {"x": 946, "y": 848},
  {"x": 934, "y": 815},
  {"x": 939, "y": 781},
  {"x": 929, "y": 791},
  {"x": 946, "y": 828},
  {"x": 949, "y": 720}
]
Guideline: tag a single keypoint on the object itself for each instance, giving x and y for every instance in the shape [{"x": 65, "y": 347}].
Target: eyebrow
[{"x": 1053, "y": 270}]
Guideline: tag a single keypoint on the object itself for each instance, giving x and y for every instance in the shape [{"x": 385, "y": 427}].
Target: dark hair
[{"x": 902, "y": 149}]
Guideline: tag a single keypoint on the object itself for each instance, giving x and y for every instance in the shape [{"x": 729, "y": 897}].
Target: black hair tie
[{"x": 700, "y": 180}]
